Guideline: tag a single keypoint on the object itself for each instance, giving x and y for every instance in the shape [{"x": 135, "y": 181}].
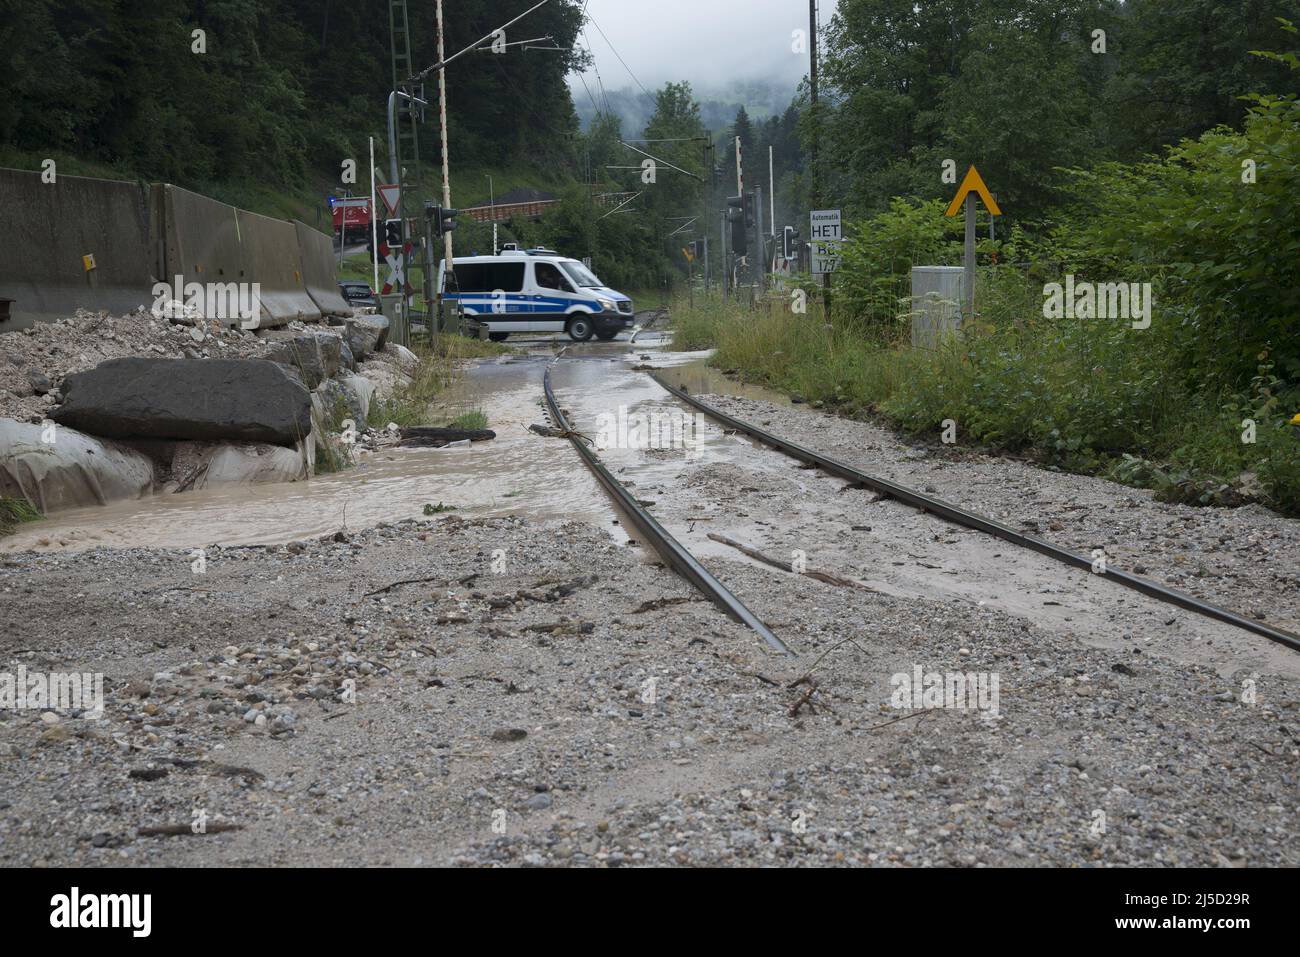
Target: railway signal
[
  {"x": 736, "y": 217},
  {"x": 788, "y": 237},
  {"x": 972, "y": 185},
  {"x": 393, "y": 233},
  {"x": 444, "y": 220}
]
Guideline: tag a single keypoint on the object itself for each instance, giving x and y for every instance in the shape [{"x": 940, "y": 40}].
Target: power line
[
  {"x": 600, "y": 84},
  {"x": 594, "y": 105},
  {"x": 620, "y": 58}
]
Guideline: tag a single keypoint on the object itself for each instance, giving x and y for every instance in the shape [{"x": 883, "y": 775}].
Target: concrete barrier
[
  {"x": 212, "y": 243},
  {"x": 48, "y": 228},
  {"x": 319, "y": 271},
  {"x": 105, "y": 244},
  {"x": 272, "y": 257},
  {"x": 201, "y": 239}
]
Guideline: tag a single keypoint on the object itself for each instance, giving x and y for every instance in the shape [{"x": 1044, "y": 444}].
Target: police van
[{"x": 536, "y": 290}]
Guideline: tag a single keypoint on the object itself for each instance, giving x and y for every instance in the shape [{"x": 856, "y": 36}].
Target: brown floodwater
[{"x": 519, "y": 473}]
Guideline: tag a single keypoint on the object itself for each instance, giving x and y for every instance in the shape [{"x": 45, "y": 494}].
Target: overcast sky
[{"x": 709, "y": 42}]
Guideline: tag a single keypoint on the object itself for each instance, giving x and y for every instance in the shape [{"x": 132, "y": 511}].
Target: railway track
[
  {"x": 672, "y": 551},
  {"x": 960, "y": 516},
  {"x": 685, "y": 564}
]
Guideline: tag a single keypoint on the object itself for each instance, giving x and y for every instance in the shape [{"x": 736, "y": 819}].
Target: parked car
[{"x": 358, "y": 294}]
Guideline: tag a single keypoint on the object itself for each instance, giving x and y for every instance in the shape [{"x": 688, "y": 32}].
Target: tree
[{"x": 1185, "y": 67}]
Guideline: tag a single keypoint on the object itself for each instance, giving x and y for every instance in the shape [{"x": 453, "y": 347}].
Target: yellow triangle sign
[{"x": 973, "y": 182}]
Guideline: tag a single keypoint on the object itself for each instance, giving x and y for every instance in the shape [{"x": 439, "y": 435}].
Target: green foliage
[
  {"x": 875, "y": 271},
  {"x": 14, "y": 512},
  {"x": 1214, "y": 225},
  {"x": 1019, "y": 88},
  {"x": 474, "y": 419},
  {"x": 1083, "y": 396},
  {"x": 285, "y": 87},
  {"x": 442, "y": 361},
  {"x": 1184, "y": 66}
]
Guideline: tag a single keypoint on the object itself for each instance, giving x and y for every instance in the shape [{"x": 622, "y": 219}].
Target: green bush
[{"x": 877, "y": 259}]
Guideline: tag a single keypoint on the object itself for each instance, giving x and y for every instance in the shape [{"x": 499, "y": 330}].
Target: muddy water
[
  {"x": 518, "y": 473},
  {"x": 693, "y": 374},
  {"x": 886, "y": 546}
]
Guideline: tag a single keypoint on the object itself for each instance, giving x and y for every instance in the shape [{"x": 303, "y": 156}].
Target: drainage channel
[
  {"x": 678, "y": 558},
  {"x": 981, "y": 523}
]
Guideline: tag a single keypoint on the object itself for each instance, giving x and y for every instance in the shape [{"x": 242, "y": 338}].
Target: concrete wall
[
  {"x": 318, "y": 269},
  {"x": 272, "y": 257},
  {"x": 200, "y": 238},
  {"x": 142, "y": 235},
  {"x": 46, "y": 229},
  {"x": 210, "y": 242}
]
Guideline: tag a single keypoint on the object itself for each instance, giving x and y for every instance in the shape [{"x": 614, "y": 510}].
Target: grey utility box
[
  {"x": 936, "y": 304},
  {"x": 393, "y": 307}
]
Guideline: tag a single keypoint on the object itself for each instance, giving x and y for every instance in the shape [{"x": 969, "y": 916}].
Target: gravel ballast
[{"x": 552, "y": 698}]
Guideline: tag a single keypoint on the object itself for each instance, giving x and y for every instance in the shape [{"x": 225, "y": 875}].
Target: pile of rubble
[
  {"x": 178, "y": 403},
  {"x": 35, "y": 361}
]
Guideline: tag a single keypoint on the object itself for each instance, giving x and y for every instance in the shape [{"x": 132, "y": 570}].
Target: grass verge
[
  {"x": 442, "y": 359},
  {"x": 1085, "y": 396}
]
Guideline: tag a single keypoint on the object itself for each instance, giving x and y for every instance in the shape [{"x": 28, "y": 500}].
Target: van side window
[
  {"x": 508, "y": 277},
  {"x": 549, "y": 277},
  {"x": 469, "y": 277},
  {"x": 489, "y": 277}
]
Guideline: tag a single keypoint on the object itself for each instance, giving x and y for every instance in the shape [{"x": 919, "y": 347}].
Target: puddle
[{"x": 693, "y": 373}]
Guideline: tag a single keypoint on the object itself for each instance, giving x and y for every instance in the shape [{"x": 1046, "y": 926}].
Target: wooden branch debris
[
  {"x": 820, "y": 575},
  {"x": 656, "y": 603},
  {"x": 418, "y": 436},
  {"x": 550, "y": 432},
  {"x": 806, "y": 699},
  {"x": 422, "y": 581}
]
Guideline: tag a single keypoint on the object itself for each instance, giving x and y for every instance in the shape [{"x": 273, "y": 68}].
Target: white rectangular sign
[{"x": 825, "y": 237}]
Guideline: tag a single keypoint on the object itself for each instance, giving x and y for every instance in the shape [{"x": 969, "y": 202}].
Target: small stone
[
  {"x": 40, "y": 383},
  {"x": 56, "y": 734},
  {"x": 147, "y": 774}
]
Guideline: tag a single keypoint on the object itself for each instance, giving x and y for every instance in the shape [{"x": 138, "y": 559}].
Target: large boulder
[
  {"x": 246, "y": 400},
  {"x": 349, "y": 361},
  {"x": 406, "y": 360},
  {"x": 363, "y": 390},
  {"x": 387, "y": 379},
  {"x": 366, "y": 334},
  {"x": 198, "y": 465},
  {"x": 315, "y": 356},
  {"x": 340, "y": 402}
]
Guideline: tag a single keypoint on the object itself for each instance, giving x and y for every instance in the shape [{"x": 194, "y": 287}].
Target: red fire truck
[{"x": 353, "y": 216}]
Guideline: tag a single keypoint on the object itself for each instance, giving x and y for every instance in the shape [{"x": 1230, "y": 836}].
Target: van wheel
[
  {"x": 580, "y": 329},
  {"x": 498, "y": 336},
  {"x": 606, "y": 336}
]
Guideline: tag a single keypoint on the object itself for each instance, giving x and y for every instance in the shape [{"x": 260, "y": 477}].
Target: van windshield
[{"x": 580, "y": 274}]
